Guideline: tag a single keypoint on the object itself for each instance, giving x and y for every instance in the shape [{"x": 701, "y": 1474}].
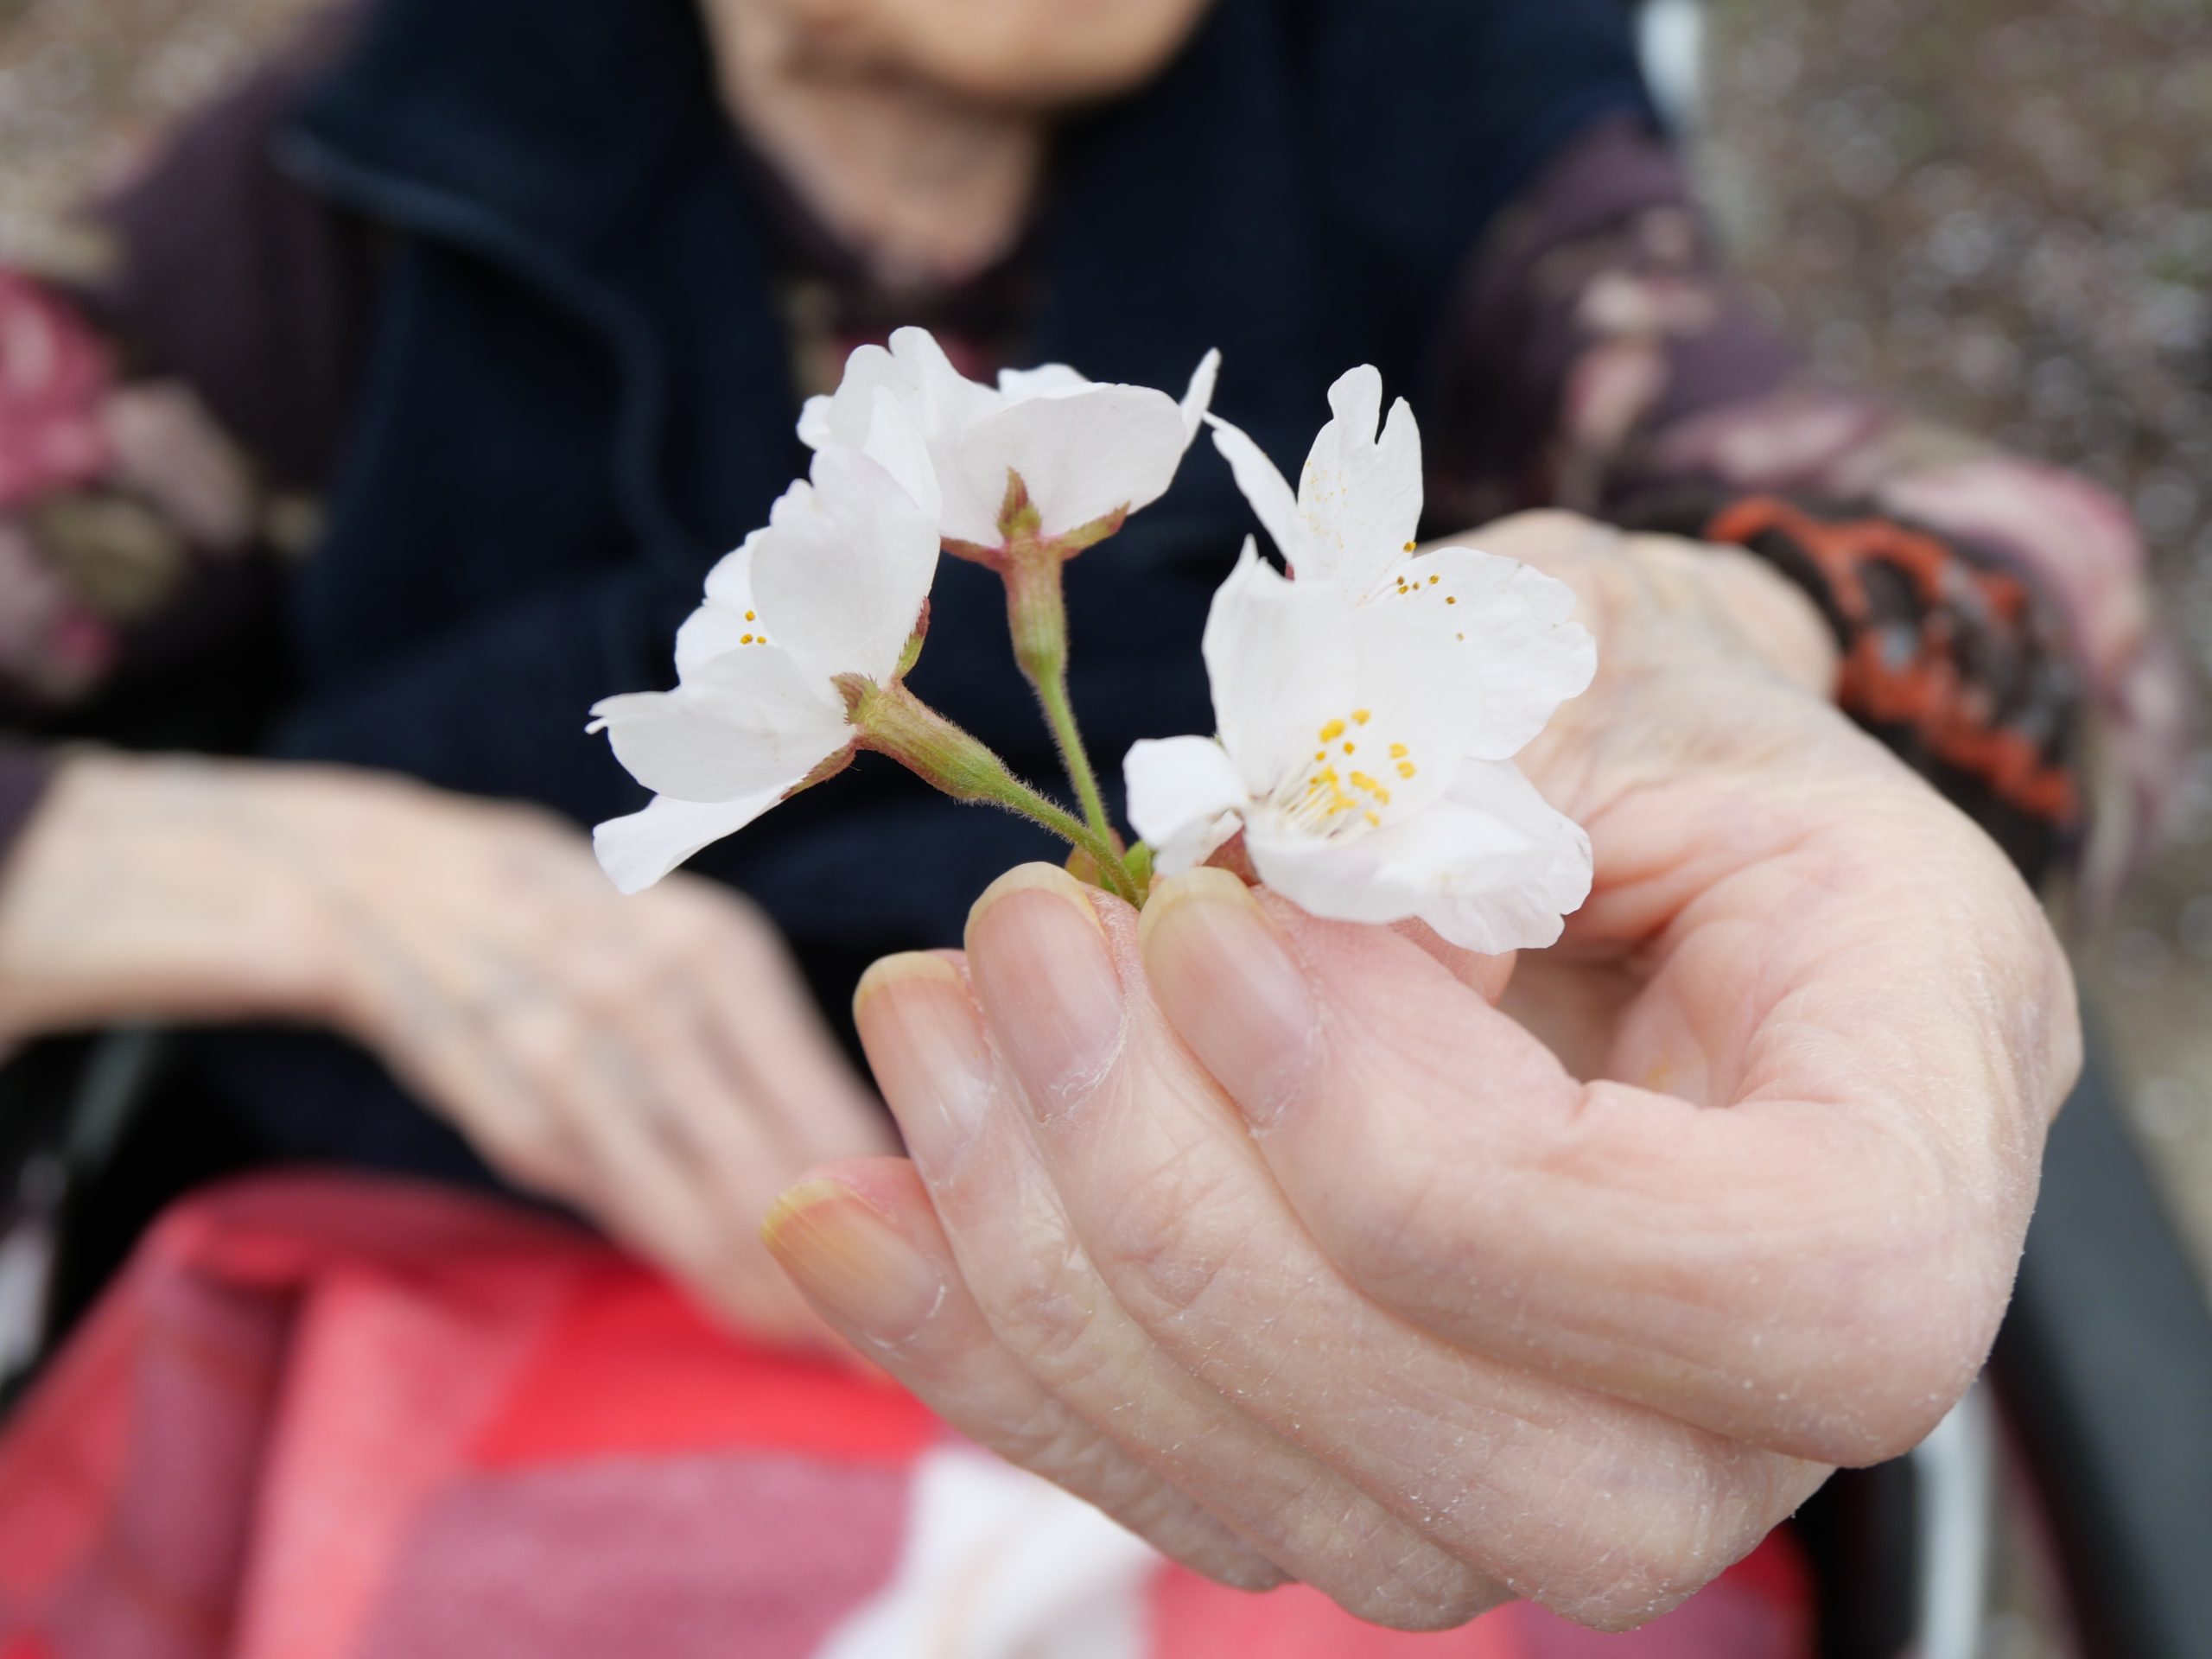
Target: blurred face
[{"x": 1034, "y": 53}]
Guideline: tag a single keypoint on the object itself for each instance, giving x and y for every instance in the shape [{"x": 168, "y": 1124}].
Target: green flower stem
[
  {"x": 892, "y": 720},
  {"x": 1037, "y": 614}
]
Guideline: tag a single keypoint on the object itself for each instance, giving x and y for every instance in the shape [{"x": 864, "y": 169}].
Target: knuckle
[
  {"x": 1901, "y": 1345},
  {"x": 1169, "y": 1236},
  {"x": 548, "y": 1050},
  {"x": 1663, "y": 1530},
  {"x": 1420, "y": 1592},
  {"x": 1047, "y": 1311},
  {"x": 1051, "y": 1440},
  {"x": 602, "y": 985},
  {"x": 1380, "y": 1569},
  {"x": 535, "y": 1154},
  {"x": 1396, "y": 1220}
]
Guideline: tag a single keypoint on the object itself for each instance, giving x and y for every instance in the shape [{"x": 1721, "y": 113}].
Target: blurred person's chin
[{"x": 1033, "y": 53}]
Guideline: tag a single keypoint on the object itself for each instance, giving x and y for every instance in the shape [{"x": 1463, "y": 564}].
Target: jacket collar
[{"x": 550, "y": 133}]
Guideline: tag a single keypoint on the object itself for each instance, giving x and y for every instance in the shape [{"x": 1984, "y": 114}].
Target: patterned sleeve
[
  {"x": 1992, "y": 613},
  {"x": 132, "y": 531}
]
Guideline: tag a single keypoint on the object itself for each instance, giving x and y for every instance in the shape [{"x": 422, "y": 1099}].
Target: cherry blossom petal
[
  {"x": 839, "y": 577},
  {"x": 1420, "y": 702},
  {"x": 1513, "y": 636},
  {"x": 1361, "y": 496},
  {"x": 1280, "y": 664},
  {"x": 943, "y": 401},
  {"x": 1184, "y": 797},
  {"x": 639, "y": 850},
  {"x": 711, "y": 631},
  {"x": 1082, "y": 456},
  {"x": 748, "y": 720},
  {"x": 1525, "y": 913},
  {"x": 1045, "y": 380},
  {"x": 727, "y": 620},
  {"x": 938, "y": 402},
  {"x": 1492, "y": 867},
  {"x": 844, "y": 415},
  {"x": 897, "y": 443},
  {"x": 1198, "y": 397},
  {"x": 1268, "y": 492}
]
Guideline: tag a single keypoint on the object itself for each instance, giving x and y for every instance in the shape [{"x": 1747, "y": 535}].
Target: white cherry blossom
[
  {"x": 1084, "y": 450},
  {"x": 833, "y": 587},
  {"x": 1351, "y": 525},
  {"x": 1343, "y": 754}
]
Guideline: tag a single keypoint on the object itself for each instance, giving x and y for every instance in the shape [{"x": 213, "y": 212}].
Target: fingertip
[
  {"x": 856, "y": 1265},
  {"x": 1228, "y": 979},
  {"x": 1046, "y": 975},
  {"x": 1206, "y": 884},
  {"x": 887, "y": 976},
  {"x": 1034, "y": 878},
  {"x": 924, "y": 1041}
]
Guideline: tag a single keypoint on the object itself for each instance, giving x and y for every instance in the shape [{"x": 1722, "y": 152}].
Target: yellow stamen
[{"x": 1332, "y": 731}]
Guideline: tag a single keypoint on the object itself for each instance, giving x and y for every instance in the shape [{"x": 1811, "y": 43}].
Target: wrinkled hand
[
  {"x": 1276, "y": 1240},
  {"x": 654, "y": 1061}
]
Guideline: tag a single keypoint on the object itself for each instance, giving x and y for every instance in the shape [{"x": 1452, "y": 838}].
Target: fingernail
[
  {"x": 924, "y": 1042},
  {"x": 855, "y": 1266},
  {"x": 1230, "y": 988},
  {"x": 1038, "y": 956}
]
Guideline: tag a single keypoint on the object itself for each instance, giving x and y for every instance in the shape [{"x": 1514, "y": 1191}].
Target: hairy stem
[
  {"x": 1037, "y": 614},
  {"x": 891, "y": 721}
]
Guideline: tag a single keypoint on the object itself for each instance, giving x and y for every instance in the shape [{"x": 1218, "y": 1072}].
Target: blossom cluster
[{"x": 1367, "y": 700}]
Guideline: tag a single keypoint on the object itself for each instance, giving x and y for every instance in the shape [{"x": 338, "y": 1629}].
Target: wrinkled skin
[
  {"x": 655, "y": 1062},
  {"x": 1279, "y": 1240}
]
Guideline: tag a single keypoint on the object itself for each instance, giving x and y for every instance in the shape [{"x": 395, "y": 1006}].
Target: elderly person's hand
[
  {"x": 655, "y": 1062},
  {"x": 1276, "y": 1239}
]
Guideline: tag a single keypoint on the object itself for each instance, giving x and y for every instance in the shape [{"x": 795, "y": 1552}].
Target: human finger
[
  {"x": 718, "y": 1132},
  {"x": 1807, "y": 1268},
  {"x": 751, "y": 998},
  {"x": 1046, "y": 1307},
  {"x": 860, "y": 1239},
  {"x": 1182, "y": 1221},
  {"x": 632, "y": 1180}
]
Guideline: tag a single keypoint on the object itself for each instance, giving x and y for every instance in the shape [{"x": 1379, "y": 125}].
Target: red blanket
[{"x": 331, "y": 1418}]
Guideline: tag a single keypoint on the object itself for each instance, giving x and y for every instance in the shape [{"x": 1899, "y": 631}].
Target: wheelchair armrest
[
  {"x": 2105, "y": 1368},
  {"x": 65, "y": 1104}
]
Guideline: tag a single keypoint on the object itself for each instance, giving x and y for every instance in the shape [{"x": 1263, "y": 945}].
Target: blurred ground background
[{"x": 2001, "y": 209}]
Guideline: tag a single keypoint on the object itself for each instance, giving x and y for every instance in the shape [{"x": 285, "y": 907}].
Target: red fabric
[
  {"x": 331, "y": 1418},
  {"x": 623, "y": 1371}
]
